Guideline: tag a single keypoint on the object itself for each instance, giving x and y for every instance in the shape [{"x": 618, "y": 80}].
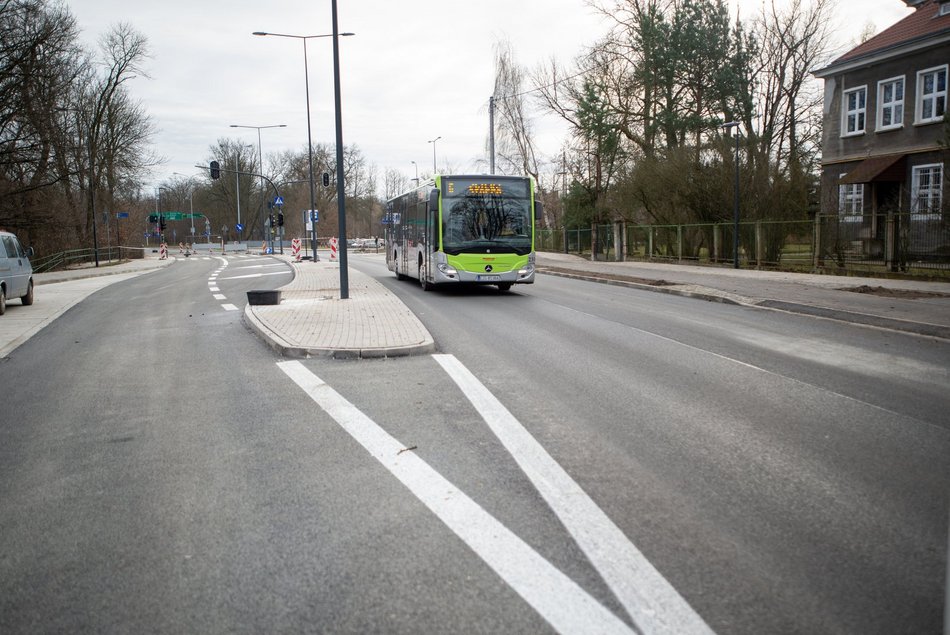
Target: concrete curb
[
  {"x": 877, "y": 321},
  {"x": 714, "y": 295},
  {"x": 279, "y": 344}
]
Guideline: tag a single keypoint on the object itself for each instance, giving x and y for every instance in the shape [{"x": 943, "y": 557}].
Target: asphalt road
[{"x": 165, "y": 471}]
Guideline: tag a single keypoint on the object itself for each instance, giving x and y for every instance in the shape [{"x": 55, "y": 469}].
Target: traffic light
[
  {"x": 326, "y": 179},
  {"x": 280, "y": 219},
  {"x": 215, "y": 168},
  {"x": 153, "y": 218},
  {"x": 161, "y": 223},
  {"x": 271, "y": 219}
]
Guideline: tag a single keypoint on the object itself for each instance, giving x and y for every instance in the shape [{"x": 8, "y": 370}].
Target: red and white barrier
[
  {"x": 333, "y": 249},
  {"x": 295, "y": 249},
  {"x": 163, "y": 252}
]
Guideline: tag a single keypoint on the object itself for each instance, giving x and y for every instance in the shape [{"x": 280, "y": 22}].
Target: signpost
[
  {"x": 119, "y": 215},
  {"x": 310, "y": 219}
]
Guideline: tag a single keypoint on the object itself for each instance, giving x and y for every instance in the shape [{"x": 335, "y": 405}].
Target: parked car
[{"x": 16, "y": 272}]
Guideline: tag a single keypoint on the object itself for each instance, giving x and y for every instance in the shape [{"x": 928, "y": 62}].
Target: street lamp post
[
  {"x": 417, "y": 173},
  {"x": 735, "y": 199},
  {"x": 309, "y": 135},
  {"x": 260, "y": 155},
  {"x": 432, "y": 141},
  {"x": 341, "y": 185}
]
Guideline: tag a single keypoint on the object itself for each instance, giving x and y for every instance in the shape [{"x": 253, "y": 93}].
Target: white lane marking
[
  {"x": 213, "y": 289},
  {"x": 260, "y": 266},
  {"x": 557, "y": 598},
  {"x": 650, "y": 600},
  {"x": 229, "y": 307},
  {"x": 258, "y": 275},
  {"x": 220, "y": 296}
]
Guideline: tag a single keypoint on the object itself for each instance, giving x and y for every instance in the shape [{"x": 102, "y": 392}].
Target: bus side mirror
[
  {"x": 434, "y": 200},
  {"x": 538, "y": 209}
]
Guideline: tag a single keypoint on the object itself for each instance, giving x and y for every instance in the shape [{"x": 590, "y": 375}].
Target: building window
[
  {"x": 927, "y": 192},
  {"x": 944, "y": 8},
  {"x": 890, "y": 103},
  {"x": 931, "y": 94},
  {"x": 851, "y": 202},
  {"x": 855, "y": 110}
]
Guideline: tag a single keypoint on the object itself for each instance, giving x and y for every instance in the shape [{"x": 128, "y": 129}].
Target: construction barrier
[
  {"x": 163, "y": 252},
  {"x": 333, "y": 248},
  {"x": 295, "y": 249}
]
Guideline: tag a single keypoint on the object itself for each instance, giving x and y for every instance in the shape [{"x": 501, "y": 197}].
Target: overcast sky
[{"x": 414, "y": 71}]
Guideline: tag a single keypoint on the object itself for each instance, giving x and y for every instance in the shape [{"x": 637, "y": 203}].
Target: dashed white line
[
  {"x": 557, "y": 598},
  {"x": 650, "y": 600},
  {"x": 229, "y": 307}
]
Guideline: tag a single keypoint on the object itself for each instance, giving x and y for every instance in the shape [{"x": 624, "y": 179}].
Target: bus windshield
[{"x": 486, "y": 217}]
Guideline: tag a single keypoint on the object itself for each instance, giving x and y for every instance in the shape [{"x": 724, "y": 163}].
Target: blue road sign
[
  {"x": 278, "y": 200},
  {"x": 314, "y": 215},
  {"x": 239, "y": 227},
  {"x": 121, "y": 214}
]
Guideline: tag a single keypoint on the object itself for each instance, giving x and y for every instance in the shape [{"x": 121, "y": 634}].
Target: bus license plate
[{"x": 489, "y": 278}]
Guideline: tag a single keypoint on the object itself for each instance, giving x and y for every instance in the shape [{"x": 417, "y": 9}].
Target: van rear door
[{"x": 15, "y": 268}]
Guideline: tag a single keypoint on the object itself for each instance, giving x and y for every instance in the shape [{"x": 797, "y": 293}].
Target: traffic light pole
[{"x": 218, "y": 170}]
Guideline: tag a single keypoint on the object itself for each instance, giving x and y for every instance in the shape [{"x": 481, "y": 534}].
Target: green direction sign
[{"x": 180, "y": 215}]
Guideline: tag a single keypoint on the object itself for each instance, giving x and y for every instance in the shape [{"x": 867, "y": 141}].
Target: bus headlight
[
  {"x": 527, "y": 270},
  {"x": 447, "y": 271}
]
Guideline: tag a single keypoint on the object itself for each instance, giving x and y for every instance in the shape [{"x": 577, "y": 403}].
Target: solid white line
[
  {"x": 229, "y": 307},
  {"x": 258, "y": 275},
  {"x": 557, "y": 598},
  {"x": 650, "y": 600}
]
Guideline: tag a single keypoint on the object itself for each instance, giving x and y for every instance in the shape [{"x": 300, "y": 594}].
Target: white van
[{"x": 16, "y": 272}]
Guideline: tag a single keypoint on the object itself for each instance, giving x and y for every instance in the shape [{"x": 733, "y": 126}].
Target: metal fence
[
  {"x": 74, "y": 258},
  {"x": 904, "y": 243}
]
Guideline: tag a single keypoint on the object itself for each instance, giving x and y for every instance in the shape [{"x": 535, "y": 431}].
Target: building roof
[{"x": 923, "y": 23}]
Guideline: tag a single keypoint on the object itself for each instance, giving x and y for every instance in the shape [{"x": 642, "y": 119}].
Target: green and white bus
[{"x": 464, "y": 229}]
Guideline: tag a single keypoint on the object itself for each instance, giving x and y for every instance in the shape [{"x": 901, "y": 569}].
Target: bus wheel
[
  {"x": 422, "y": 279},
  {"x": 399, "y": 275},
  {"x": 504, "y": 286}
]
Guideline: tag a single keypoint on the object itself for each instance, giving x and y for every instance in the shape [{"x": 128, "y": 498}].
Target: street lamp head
[
  {"x": 300, "y": 37},
  {"x": 279, "y": 125},
  {"x": 731, "y": 124}
]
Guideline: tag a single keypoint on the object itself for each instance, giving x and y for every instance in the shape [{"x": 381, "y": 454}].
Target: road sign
[
  {"x": 121, "y": 214},
  {"x": 239, "y": 227},
  {"x": 278, "y": 200},
  {"x": 314, "y": 215}
]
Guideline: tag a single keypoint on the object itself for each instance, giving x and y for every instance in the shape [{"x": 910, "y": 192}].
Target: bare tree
[
  {"x": 395, "y": 183},
  {"x": 793, "y": 41},
  {"x": 514, "y": 143}
]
